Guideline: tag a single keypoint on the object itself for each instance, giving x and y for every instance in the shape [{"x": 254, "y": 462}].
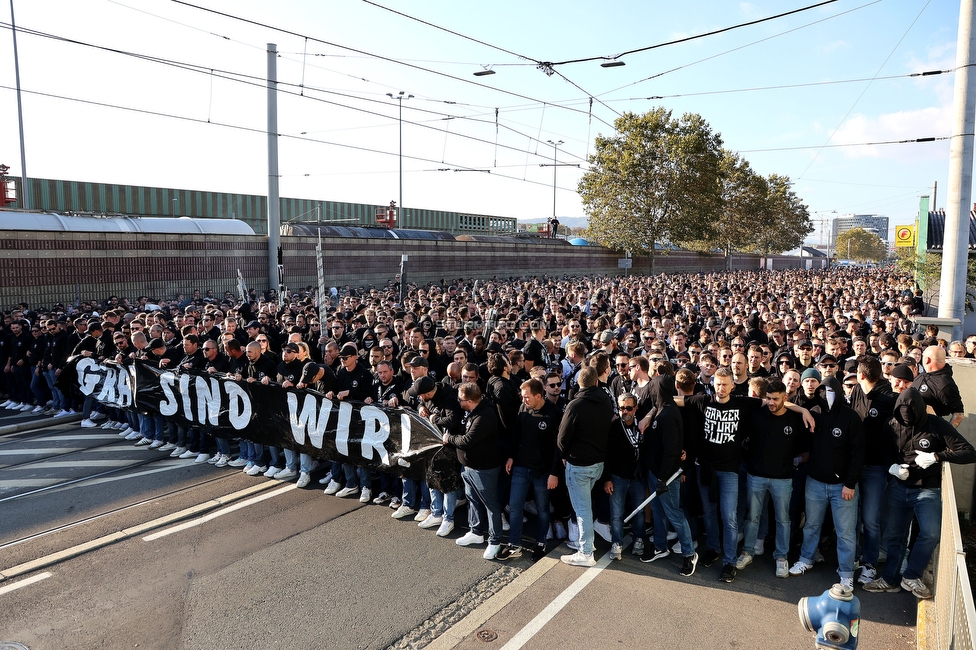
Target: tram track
[{"x": 69, "y": 452}]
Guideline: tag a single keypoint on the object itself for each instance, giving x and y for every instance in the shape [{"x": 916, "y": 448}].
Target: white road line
[
  {"x": 83, "y": 436},
  {"x": 23, "y": 583},
  {"x": 44, "y": 482},
  {"x": 532, "y": 627},
  {"x": 55, "y": 450},
  {"x": 60, "y": 464},
  {"x": 219, "y": 513}
]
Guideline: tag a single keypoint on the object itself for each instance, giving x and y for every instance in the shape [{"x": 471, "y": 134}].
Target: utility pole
[
  {"x": 955, "y": 245},
  {"x": 23, "y": 194},
  {"x": 402, "y": 213},
  {"x": 275, "y": 262}
]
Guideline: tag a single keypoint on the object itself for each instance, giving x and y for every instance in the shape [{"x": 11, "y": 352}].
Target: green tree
[
  {"x": 783, "y": 223},
  {"x": 655, "y": 181},
  {"x": 860, "y": 245}
]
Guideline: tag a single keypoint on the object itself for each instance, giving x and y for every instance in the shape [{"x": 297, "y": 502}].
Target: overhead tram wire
[
  {"x": 866, "y": 87},
  {"x": 375, "y": 56},
  {"x": 741, "y": 47},
  {"x": 260, "y": 82},
  {"x": 257, "y": 131},
  {"x": 850, "y": 144}
]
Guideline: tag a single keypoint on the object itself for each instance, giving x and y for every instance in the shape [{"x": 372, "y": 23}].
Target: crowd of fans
[{"x": 745, "y": 402}]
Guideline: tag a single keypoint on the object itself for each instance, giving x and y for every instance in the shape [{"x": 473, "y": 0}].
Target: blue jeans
[
  {"x": 874, "y": 481},
  {"x": 818, "y": 495},
  {"x": 522, "y": 479},
  {"x": 580, "y": 480},
  {"x": 668, "y": 506},
  {"x": 633, "y": 488},
  {"x": 442, "y": 504},
  {"x": 411, "y": 489},
  {"x": 296, "y": 461},
  {"x": 728, "y": 499},
  {"x": 481, "y": 489},
  {"x": 358, "y": 477},
  {"x": 926, "y": 505},
  {"x": 781, "y": 491}
]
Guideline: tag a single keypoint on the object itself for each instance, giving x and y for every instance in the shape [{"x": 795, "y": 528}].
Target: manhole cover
[
  {"x": 483, "y": 635},
  {"x": 12, "y": 645}
]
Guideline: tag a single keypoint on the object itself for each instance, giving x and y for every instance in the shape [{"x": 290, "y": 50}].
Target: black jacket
[
  {"x": 939, "y": 391},
  {"x": 915, "y": 431},
  {"x": 664, "y": 437},
  {"x": 445, "y": 411},
  {"x": 837, "y": 442},
  {"x": 585, "y": 427},
  {"x": 534, "y": 439},
  {"x": 477, "y": 446},
  {"x": 875, "y": 409}
]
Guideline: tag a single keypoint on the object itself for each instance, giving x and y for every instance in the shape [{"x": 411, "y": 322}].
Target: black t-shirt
[
  {"x": 774, "y": 441},
  {"x": 721, "y": 442},
  {"x": 536, "y": 352}
]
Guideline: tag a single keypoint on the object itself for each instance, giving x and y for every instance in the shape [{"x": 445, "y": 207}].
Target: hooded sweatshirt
[
  {"x": 915, "y": 431},
  {"x": 837, "y": 442},
  {"x": 585, "y": 427},
  {"x": 938, "y": 389},
  {"x": 875, "y": 410},
  {"x": 664, "y": 438}
]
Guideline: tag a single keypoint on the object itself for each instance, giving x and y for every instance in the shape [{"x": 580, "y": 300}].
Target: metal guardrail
[{"x": 955, "y": 614}]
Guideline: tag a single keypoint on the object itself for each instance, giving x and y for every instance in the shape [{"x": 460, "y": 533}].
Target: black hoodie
[
  {"x": 837, "y": 442},
  {"x": 938, "y": 389},
  {"x": 664, "y": 438},
  {"x": 914, "y": 431},
  {"x": 585, "y": 426},
  {"x": 875, "y": 410}
]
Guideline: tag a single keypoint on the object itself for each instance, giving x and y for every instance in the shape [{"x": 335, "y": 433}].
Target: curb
[
  {"x": 133, "y": 531},
  {"x": 926, "y": 612},
  {"x": 38, "y": 424}
]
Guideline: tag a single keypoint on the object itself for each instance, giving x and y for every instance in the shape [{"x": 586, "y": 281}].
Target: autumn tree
[
  {"x": 655, "y": 181},
  {"x": 860, "y": 245}
]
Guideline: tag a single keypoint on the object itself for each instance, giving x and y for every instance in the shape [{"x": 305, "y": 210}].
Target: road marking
[
  {"x": 219, "y": 513},
  {"x": 82, "y": 436},
  {"x": 58, "y": 450},
  {"x": 61, "y": 464},
  {"x": 23, "y": 583},
  {"x": 12, "y": 484},
  {"x": 532, "y": 627},
  {"x": 139, "y": 529}
]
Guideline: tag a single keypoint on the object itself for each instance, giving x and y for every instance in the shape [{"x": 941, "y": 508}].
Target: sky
[{"x": 171, "y": 94}]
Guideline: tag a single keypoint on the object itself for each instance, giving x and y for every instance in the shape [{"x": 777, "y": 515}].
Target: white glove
[
  {"x": 925, "y": 459},
  {"x": 899, "y": 471}
]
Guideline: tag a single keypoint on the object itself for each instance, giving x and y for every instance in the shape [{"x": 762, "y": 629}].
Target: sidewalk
[{"x": 628, "y": 604}]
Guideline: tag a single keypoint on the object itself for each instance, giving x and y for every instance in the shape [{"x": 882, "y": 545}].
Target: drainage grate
[{"x": 487, "y": 635}]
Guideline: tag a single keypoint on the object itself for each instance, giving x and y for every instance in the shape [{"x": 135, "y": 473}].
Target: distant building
[{"x": 870, "y": 222}]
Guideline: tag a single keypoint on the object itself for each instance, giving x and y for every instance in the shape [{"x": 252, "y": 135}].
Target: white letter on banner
[
  {"x": 185, "y": 394},
  {"x": 316, "y": 433},
  {"x": 239, "y": 409},
  {"x": 170, "y": 406},
  {"x": 107, "y": 394},
  {"x": 376, "y": 429},
  {"x": 87, "y": 380},
  {"x": 125, "y": 387},
  {"x": 312, "y": 419},
  {"x": 404, "y": 439},
  {"x": 208, "y": 400},
  {"x": 342, "y": 429}
]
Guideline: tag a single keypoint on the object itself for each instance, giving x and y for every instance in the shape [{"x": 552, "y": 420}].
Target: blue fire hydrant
[{"x": 834, "y": 615}]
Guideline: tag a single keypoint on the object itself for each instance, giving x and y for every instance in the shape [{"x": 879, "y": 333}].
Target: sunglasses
[
  {"x": 627, "y": 408},
  {"x": 553, "y": 386}
]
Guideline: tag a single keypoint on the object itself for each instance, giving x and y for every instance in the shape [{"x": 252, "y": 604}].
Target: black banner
[{"x": 306, "y": 421}]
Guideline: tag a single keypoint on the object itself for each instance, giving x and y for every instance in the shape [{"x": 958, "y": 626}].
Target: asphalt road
[{"x": 262, "y": 564}]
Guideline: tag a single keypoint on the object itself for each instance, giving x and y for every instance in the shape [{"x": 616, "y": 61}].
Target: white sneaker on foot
[
  {"x": 492, "y": 551},
  {"x": 347, "y": 492},
  {"x": 470, "y": 539},
  {"x": 303, "y": 479},
  {"x": 445, "y": 528},
  {"x": 334, "y": 486},
  {"x": 579, "y": 558},
  {"x": 285, "y": 475}
]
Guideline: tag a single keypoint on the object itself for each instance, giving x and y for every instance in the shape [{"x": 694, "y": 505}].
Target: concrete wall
[{"x": 964, "y": 476}]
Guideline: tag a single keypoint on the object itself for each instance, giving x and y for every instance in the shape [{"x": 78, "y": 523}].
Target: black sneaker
[
  {"x": 688, "y": 568},
  {"x": 539, "y": 552},
  {"x": 709, "y": 558},
  {"x": 656, "y": 554},
  {"x": 509, "y": 552},
  {"x": 728, "y": 573}
]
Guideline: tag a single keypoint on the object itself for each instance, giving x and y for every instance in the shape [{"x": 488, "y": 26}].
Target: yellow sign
[{"x": 904, "y": 236}]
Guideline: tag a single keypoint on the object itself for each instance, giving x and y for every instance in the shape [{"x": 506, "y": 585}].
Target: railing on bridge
[{"x": 955, "y": 614}]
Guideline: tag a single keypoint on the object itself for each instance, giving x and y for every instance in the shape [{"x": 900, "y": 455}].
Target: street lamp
[
  {"x": 554, "y": 145},
  {"x": 400, "y": 97}
]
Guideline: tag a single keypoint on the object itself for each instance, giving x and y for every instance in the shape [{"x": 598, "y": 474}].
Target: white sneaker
[
  {"x": 98, "y": 416},
  {"x": 188, "y": 454},
  {"x": 26, "y": 407},
  {"x": 422, "y": 514},
  {"x": 782, "y": 568},
  {"x": 744, "y": 560},
  {"x": 202, "y": 457},
  {"x": 237, "y": 462},
  {"x": 303, "y": 479},
  {"x": 347, "y": 492},
  {"x": 677, "y": 547},
  {"x": 868, "y": 573},
  {"x": 5, "y": 404},
  {"x": 169, "y": 446},
  {"x": 403, "y": 512},
  {"x": 108, "y": 424},
  {"x": 334, "y": 486},
  {"x": 37, "y": 409},
  {"x": 616, "y": 552},
  {"x": 470, "y": 539},
  {"x": 431, "y": 521},
  {"x": 272, "y": 471},
  {"x": 603, "y": 530},
  {"x": 760, "y": 547},
  {"x": 325, "y": 480},
  {"x": 366, "y": 495},
  {"x": 445, "y": 528},
  {"x": 800, "y": 568},
  {"x": 134, "y": 435},
  {"x": 155, "y": 444},
  {"x": 579, "y": 558},
  {"x": 143, "y": 442},
  {"x": 62, "y": 413},
  {"x": 222, "y": 461},
  {"x": 88, "y": 424},
  {"x": 256, "y": 469},
  {"x": 285, "y": 475},
  {"x": 213, "y": 459},
  {"x": 847, "y": 583},
  {"x": 492, "y": 551}
]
